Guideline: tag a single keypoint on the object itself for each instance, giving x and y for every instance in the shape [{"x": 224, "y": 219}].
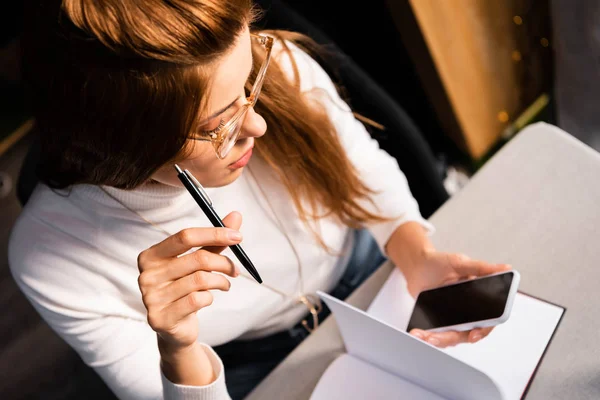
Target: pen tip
[{"x": 179, "y": 171}]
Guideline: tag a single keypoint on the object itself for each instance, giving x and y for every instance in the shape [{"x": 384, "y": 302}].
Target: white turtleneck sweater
[{"x": 73, "y": 254}]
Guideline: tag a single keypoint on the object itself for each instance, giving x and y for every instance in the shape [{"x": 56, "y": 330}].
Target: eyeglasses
[{"x": 226, "y": 134}]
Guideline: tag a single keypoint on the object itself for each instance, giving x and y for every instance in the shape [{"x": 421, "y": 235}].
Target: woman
[{"x": 114, "y": 253}]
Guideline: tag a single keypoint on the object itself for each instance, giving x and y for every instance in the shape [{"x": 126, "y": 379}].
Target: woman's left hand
[{"x": 439, "y": 269}]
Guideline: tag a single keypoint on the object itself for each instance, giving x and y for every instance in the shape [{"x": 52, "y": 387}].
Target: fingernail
[
  {"x": 418, "y": 334},
  {"x": 237, "y": 270},
  {"x": 475, "y": 337},
  {"x": 434, "y": 341},
  {"x": 234, "y": 235}
]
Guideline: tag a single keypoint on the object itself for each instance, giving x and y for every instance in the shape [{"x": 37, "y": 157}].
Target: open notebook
[{"x": 384, "y": 362}]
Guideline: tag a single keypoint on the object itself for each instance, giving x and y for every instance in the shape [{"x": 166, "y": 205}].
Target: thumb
[
  {"x": 233, "y": 220},
  {"x": 464, "y": 266}
]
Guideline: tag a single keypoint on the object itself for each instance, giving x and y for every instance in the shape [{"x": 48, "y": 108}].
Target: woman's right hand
[{"x": 174, "y": 288}]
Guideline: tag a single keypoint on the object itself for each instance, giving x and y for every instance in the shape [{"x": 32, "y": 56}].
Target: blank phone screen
[{"x": 470, "y": 301}]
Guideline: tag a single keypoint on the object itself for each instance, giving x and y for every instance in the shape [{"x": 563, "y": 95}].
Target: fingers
[
  {"x": 200, "y": 260},
  {"x": 185, "y": 306},
  {"x": 451, "y": 338},
  {"x": 466, "y": 267},
  {"x": 448, "y": 339},
  {"x": 479, "y": 333},
  {"x": 233, "y": 220},
  {"x": 189, "y": 238},
  {"x": 174, "y": 287},
  {"x": 441, "y": 339},
  {"x": 195, "y": 282}
]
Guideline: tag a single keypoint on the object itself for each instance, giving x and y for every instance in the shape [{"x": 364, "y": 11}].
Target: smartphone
[{"x": 476, "y": 303}]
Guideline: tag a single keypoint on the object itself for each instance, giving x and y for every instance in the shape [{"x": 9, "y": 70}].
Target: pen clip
[{"x": 199, "y": 186}]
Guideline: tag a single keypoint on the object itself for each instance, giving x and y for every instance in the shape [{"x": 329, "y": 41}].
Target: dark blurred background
[{"x": 369, "y": 35}]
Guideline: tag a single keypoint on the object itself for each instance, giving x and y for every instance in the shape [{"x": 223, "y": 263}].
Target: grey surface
[{"x": 535, "y": 205}]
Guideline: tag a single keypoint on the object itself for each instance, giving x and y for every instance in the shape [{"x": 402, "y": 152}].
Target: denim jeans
[{"x": 249, "y": 362}]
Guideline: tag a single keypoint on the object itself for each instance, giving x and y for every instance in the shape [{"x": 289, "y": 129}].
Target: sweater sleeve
[
  {"x": 55, "y": 271},
  {"x": 216, "y": 390},
  {"x": 376, "y": 168}
]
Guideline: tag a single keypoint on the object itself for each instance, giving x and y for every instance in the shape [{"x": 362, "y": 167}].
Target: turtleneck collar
[{"x": 144, "y": 198}]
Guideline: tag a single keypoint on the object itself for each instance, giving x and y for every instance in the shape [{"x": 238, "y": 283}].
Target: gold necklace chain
[
  {"x": 311, "y": 302},
  {"x": 279, "y": 225}
]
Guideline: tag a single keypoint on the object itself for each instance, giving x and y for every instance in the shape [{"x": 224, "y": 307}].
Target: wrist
[
  {"x": 409, "y": 246},
  {"x": 186, "y": 365},
  {"x": 171, "y": 353}
]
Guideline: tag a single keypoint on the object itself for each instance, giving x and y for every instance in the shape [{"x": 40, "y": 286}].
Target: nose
[{"x": 254, "y": 125}]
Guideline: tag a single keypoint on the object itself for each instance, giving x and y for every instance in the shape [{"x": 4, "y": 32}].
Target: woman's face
[{"x": 226, "y": 96}]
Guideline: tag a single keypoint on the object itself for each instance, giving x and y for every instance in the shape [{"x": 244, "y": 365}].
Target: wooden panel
[
  {"x": 10, "y": 140},
  {"x": 471, "y": 43},
  {"x": 413, "y": 41}
]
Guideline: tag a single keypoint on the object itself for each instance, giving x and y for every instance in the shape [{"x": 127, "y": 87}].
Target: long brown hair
[{"x": 117, "y": 86}]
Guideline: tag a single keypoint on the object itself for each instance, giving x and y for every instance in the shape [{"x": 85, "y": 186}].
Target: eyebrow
[{"x": 222, "y": 110}]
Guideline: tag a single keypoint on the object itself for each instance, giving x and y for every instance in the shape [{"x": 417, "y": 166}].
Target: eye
[{"x": 213, "y": 133}]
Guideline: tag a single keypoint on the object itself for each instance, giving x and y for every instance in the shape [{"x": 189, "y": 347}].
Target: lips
[{"x": 242, "y": 161}]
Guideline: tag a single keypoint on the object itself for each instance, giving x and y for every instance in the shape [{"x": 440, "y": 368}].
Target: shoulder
[
  {"x": 51, "y": 215},
  {"x": 86, "y": 293},
  {"x": 310, "y": 74},
  {"x": 49, "y": 245}
]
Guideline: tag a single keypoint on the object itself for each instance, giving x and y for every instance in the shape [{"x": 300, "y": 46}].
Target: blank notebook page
[{"x": 349, "y": 378}]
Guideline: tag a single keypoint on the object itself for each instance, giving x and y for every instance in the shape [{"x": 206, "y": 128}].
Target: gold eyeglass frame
[{"x": 230, "y": 129}]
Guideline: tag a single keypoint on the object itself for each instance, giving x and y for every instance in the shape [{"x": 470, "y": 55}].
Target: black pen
[{"x": 197, "y": 191}]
